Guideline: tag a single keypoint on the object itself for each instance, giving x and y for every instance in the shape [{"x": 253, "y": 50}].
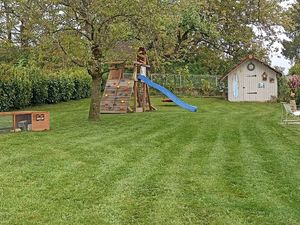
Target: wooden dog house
[{"x": 27, "y": 121}]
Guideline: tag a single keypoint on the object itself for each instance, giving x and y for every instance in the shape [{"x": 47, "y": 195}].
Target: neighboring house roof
[{"x": 250, "y": 57}]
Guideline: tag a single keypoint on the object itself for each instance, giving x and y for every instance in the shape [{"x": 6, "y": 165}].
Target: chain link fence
[
  {"x": 192, "y": 84},
  {"x": 195, "y": 84}
]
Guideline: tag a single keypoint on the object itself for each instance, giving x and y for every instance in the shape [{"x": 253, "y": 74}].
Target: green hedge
[{"x": 21, "y": 87}]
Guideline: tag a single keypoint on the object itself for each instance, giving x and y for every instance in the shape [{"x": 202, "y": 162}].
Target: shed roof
[{"x": 250, "y": 57}]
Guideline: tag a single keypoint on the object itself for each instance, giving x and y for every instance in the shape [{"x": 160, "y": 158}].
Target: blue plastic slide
[{"x": 167, "y": 93}]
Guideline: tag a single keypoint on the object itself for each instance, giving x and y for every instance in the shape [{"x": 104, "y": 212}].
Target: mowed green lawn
[{"x": 229, "y": 163}]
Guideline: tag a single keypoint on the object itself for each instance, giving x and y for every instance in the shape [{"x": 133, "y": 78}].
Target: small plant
[
  {"x": 294, "y": 82},
  {"x": 206, "y": 87},
  {"x": 284, "y": 89},
  {"x": 186, "y": 78}
]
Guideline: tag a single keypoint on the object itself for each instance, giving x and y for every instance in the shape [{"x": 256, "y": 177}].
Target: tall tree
[
  {"x": 87, "y": 32},
  {"x": 292, "y": 48},
  {"x": 18, "y": 31},
  {"x": 230, "y": 29}
]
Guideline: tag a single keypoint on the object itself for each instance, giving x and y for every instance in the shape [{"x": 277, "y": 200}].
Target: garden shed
[{"x": 252, "y": 80}]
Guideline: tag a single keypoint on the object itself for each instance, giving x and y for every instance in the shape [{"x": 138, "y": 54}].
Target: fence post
[{"x": 180, "y": 84}]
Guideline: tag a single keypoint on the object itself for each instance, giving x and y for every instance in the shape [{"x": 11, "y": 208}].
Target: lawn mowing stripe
[
  {"x": 221, "y": 198},
  {"x": 204, "y": 209},
  {"x": 167, "y": 139},
  {"x": 165, "y": 184},
  {"x": 140, "y": 171},
  {"x": 266, "y": 168},
  {"x": 262, "y": 201},
  {"x": 204, "y": 179},
  {"x": 284, "y": 165},
  {"x": 233, "y": 167}
]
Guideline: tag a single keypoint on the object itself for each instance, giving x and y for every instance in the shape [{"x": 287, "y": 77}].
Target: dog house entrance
[{"x": 24, "y": 122}]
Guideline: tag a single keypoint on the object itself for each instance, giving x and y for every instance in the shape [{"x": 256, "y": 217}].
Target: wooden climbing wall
[{"x": 116, "y": 96}]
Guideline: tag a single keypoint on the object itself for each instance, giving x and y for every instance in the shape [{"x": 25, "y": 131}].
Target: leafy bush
[
  {"x": 6, "y": 100},
  {"x": 21, "y": 86},
  {"x": 60, "y": 87},
  {"x": 54, "y": 88},
  {"x": 294, "y": 82},
  {"x": 15, "y": 89},
  {"x": 186, "y": 79},
  {"x": 284, "y": 89},
  {"x": 67, "y": 85},
  {"x": 81, "y": 84},
  {"x": 39, "y": 88},
  {"x": 206, "y": 87},
  {"x": 21, "y": 89},
  {"x": 168, "y": 81}
]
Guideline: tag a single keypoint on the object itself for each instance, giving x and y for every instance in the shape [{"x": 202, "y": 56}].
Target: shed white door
[{"x": 250, "y": 87}]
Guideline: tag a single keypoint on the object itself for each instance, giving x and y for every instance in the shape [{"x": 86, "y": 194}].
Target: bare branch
[{"x": 72, "y": 29}]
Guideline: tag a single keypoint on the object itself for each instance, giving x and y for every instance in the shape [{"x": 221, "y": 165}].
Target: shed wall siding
[{"x": 248, "y": 83}]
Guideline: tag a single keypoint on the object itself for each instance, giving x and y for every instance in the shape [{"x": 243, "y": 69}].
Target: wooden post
[
  {"x": 14, "y": 122},
  {"x": 134, "y": 76},
  {"x": 138, "y": 94},
  {"x": 144, "y": 97},
  {"x": 135, "y": 93},
  {"x": 148, "y": 97}
]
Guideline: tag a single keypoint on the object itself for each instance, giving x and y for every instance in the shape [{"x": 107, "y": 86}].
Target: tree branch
[
  {"x": 66, "y": 53},
  {"x": 72, "y": 29}
]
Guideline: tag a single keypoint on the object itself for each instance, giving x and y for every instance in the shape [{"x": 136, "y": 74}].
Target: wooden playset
[
  {"x": 27, "y": 121},
  {"x": 119, "y": 89}
]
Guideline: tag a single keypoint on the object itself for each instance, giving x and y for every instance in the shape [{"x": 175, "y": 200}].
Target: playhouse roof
[{"x": 250, "y": 57}]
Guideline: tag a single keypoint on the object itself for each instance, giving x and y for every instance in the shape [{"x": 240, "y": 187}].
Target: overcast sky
[{"x": 276, "y": 57}]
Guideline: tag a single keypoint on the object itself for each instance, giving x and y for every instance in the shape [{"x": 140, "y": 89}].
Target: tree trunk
[
  {"x": 94, "y": 113},
  {"x": 8, "y": 22},
  {"x": 96, "y": 74},
  {"x": 23, "y": 38}
]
